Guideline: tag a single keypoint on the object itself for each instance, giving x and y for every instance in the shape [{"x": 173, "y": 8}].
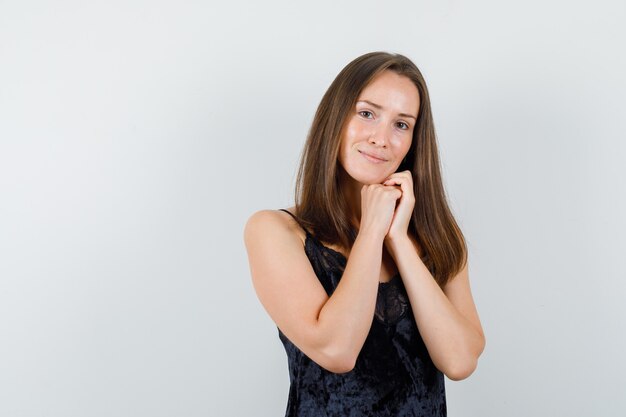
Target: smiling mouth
[{"x": 372, "y": 158}]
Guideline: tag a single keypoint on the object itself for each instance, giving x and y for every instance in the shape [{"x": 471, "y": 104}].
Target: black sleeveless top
[{"x": 393, "y": 376}]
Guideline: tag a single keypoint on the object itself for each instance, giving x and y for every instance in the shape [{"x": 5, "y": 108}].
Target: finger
[
  {"x": 404, "y": 183},
  {"x": 395, "y": 180},
  {"x": 404, "y": 174}
]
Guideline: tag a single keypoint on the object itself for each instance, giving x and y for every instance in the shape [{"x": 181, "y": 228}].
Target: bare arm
[
  {"x": 347, "y": 316},
  {"x": 447, "y": 320},
  {"x": 329, "y": 330}
]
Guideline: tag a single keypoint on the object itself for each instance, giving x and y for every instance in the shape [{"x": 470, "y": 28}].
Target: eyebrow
[{"x": 378, "y": 106}]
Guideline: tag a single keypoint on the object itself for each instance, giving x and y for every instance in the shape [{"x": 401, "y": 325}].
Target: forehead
[{"x": 394, "y": 91}]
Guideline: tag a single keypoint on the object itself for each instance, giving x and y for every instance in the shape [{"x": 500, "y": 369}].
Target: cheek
[
  {"x": 347, "y": 141},
  {"x": 352, "y": 130},
  {"x": 401, "y": 145}
]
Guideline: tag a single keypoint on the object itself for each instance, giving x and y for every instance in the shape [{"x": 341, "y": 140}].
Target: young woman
[{"x": 366, "y": 276}]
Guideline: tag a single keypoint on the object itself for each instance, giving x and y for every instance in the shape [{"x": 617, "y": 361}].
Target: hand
[
  {"x": 378, "y": 203},
  {"x": 404, "y": 211}
]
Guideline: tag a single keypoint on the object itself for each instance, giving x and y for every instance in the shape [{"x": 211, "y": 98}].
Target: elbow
[
  {"x": 341, "y": 367},
  {"x": 341, "y": 364},
  {"x": 461, "y": 371},
  {"x": 481, "y": 346},
  {"x": 338, "y": 361}
]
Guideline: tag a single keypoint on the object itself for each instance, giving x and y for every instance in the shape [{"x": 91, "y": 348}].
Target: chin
[
  {"x": 366, "y": 177},
  {"x": 369, "y": 179}
]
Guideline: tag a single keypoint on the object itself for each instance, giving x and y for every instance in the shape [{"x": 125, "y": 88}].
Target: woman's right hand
[{"x": 378, "y": 204}]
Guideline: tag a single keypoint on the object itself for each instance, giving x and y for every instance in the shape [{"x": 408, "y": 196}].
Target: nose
[{"x": 378, "y": 136}]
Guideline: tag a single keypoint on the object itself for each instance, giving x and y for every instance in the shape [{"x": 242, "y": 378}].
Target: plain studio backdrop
[{"x": 138, "y": 137}]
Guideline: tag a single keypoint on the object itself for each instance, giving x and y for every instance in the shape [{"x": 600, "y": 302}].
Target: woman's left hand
[{"x": 404, "y": 210}]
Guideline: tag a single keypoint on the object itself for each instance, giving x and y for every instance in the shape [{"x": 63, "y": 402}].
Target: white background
[{"x": 136, "y": 138}]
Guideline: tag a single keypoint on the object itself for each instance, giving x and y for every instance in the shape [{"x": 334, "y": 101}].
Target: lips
[{"x": 374, "y": 155}]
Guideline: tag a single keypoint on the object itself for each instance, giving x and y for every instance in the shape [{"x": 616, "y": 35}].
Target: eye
[
  {"x": 365, "y": 113},
  {"x": 403, "y": 125}
]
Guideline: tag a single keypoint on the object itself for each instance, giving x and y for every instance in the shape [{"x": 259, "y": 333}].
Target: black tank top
[{"x": 393, "y": 376}]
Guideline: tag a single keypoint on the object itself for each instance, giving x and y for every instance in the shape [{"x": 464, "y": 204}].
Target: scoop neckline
[{"x": 345, "y": 260}]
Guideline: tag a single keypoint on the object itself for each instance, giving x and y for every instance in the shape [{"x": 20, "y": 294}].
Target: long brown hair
[{"x": 319, "y": 199}]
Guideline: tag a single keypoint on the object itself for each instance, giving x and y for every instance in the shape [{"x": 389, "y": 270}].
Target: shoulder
[
  {"x": 265, "y": 221},
  {"x": 272, "y": 224}
]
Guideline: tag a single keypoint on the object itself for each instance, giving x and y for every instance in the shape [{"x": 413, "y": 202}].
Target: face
[{"x": 379, "y": 130}]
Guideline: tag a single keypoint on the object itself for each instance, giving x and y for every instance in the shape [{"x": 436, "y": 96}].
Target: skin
[
  {"x": 375, "y": 126},
  {"x": 381, "y": 123},
  {"x": 331, "y": 331}
]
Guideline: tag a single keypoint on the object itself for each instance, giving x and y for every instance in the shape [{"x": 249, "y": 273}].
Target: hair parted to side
[{"x": 319, "y": 199}]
